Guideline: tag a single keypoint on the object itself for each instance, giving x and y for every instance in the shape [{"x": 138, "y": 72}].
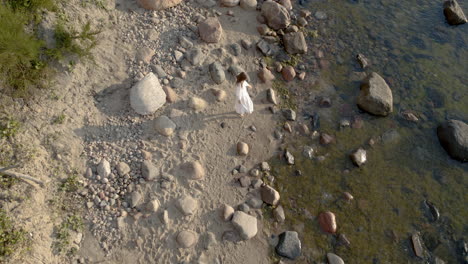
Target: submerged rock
[
  {"x": 375, "y": 96},
  {"x": 359, "y": 157},
  {"x": 334, "y": 259},
  {"x": 269, "y": 195},
  {"x": 289, "y": 158},
  {"x": 453, "y": 136},
  {"x": 328, "y": 222},
  {"x": 363, "y": 61},
  {"x": 289, "y": 245},
  {"x": 417, "y": 245},
  {"x": 453, "y": 13}
]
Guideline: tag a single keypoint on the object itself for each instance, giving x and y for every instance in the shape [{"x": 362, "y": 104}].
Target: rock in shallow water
[
  {"x": 328, "y": 222},
  {"x": 289, "y": 158},
  {"x": 375, "y": 96},
  {"x": 334, "y": 259},
  {"x": 453, "y": 13},
  {"x": 269, "y": 195},
  {"x": 289, "y": 245},
  {"x": 453, "y": 136},
  {"x": 148, "y": 170},
  {"x": 359, "y": 157}
]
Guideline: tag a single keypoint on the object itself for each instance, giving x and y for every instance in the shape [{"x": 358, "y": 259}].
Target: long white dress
[{"x": 244, "y": 104}]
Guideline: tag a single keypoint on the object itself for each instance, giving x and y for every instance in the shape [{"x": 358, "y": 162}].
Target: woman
[{"x": 244, "y": 104}]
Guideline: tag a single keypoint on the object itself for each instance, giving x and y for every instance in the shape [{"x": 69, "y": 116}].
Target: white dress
[{"x": 244, "y": 104}]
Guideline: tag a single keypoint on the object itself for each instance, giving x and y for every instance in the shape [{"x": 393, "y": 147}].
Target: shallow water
[{"x": 425, "y": 62}]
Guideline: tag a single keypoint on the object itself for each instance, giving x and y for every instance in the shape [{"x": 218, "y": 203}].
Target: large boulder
[
  {"x": 276, "y": 15},
  {"x": 453, "y": 13},
  {"x": 295, "y": 43},
  {"x": 245, "y": 224},
  {"x": 376, "y": 96},
  {"x": 453, "y": 136},
  {"x": 158, "y": 4},
  {"x": 210, "y": 30},
  {"x": 147, "y": 95}
]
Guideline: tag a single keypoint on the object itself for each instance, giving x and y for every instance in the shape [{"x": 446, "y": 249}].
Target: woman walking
[{"x": 244, "y": 104}]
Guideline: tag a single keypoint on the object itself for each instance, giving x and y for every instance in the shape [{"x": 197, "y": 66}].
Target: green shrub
[
  {"x": 8, "y": 127},
  {"x": 71, "y": 41},
  {"x": 10, "y": 236},
  {"x": 31, "y": 6}
]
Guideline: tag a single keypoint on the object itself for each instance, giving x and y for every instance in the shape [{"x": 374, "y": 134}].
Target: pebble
[
  {"x": 149, "y": 170},
  {"x": 271, "y": 96},
  {"x": 278, "y": 214},
  {"x": 226, "y": 212},
  {"x": 287, "y": 127},
  {"x": 186, "y": 238},
  {"x": 135, "y": 199},
  {"x": 289, "y": 114},
  {"x": 334, "y": 259},
  {"x": 103, "y": 168},
  {"x": 359, "y": 157},
  {"x": 328, "y": 222},
  {"x": 197, "y": 103},
  {"x": 187, "y": 205},
  {"x": 289, "y": 157},
  {"x": 348, "y": 196},
  {"x": 245, "y": 181},
  {"x": 288, "y": 73},
  {"x": 417, "y": 246},
  {"x": 247, "y": 44},
  {"x": 308, "y": 152},
  {"x": 123, "y": 168},
  {"x": 343, "y": 240},
  {"x": 326, "y": 139},
  {"x": 244, "y": 208},
  {"x": 269, "y": 195},
  {"x": 254, "y": 172},
  {"x": 265, "y": 166},
  {"x": 242, "y": 149}
]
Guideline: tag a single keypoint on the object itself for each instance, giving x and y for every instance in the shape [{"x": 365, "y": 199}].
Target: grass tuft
[{"x": 10, "y": 236}]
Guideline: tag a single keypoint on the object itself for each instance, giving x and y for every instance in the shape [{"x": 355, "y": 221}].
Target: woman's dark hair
[{"x": 241, "y": 77}]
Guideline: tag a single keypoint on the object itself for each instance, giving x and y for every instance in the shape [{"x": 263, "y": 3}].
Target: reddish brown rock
[
  {"x": 210, "y": 30},
  {"x": 326, "y": 139},
  {"x": 348, "y": 196},
  {"x": 288, "y": 73},
  {"x": 327, "y": 222},
  {"x": 265, "y": 75}
]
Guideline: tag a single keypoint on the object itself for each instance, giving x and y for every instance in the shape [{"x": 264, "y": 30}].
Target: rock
[
  {"x": 145, "y": 54},
  {"x": 265, "y": 48},
  {"x": 152, "y": 206},
  {"x": 146, "y": 155},
  {"x": 276, "y": 15},
  {"x": 230, "y": 236},
  {"x": 359, "y": 157},
  {"x": 254, "y": 173},
  {"x": 271, "y": 96},
  {"x": 375, "y": 96},
  {"x": 219, "y": 94},
  {"x": 308, "y": 152},
  {"x": 209, "y": 241},
  {"x": 343, "y": 240},
  {"x": 278, "y": 214},
  {"x": 264, "y": 166},
  {"x": 289, "y": 245},
  {"x": 243, "y": 208},
  {"x": 187, "y": 205},
  {"x": 197, "y": 103},
  {"x": 453, "y": 136},
  {"x": 135, "y": 199},
  {"x": 304, "y": 13},
  {"x": 187, "y": 238},
  {"x": 328, "y": 222},
  {"x": 247, "y": 44},
  {"x": 334, "y": 259},
  {"x": 193, "y": 170},
  {"x": 286, "y": 3},
  {"x": 326, "y": 139},
  {"x": 248, "y": 4},
  {"x": 287, "y": 127},
  {"x": 165, "y": 218},
  {"x": 210, "y": 30},
  {"x": 362, "y": 61},
  {"x": 255, "y": 203},
  {"x": 348, "y": 197},
  {"x": 245, "y": 224},
  {"x": 123, "y": 168},
  {"x": 265, "y": 75},
  {"x": 226, "y": 212},
  {"x": 148, "y": 170},
  {"x": 295, "y": 43},
  {"x": 103, "y": 168},
  {"x": 245, "y": 181},
  {"x": 195, "y": 56},
  {"x": 171, "y": 95},
  {"x": 230, "y": 3},
  {"x": 288, "y": 73},
  {"x": 178, "y": 56},
  {"x": 185, "y": 42},
  {"x": 302, "y": 22},
  {"x": 434, "y": 211},
  {"x": 325, "y": 102},
  {"x": 320, "y": 15},
  {"x": 242, "y": 149},
  {"x": 217, "y": 73},
  {"x": 164, "y": 126},
  {"x": 147, "y": 96},
  {"x": 417, "y": 245},
  {"x": 158, "y": 4},
  {"x": 453, "y": 13},
  {"x": 263, "y": 30},
  {"x": 236, "y": 70},
  {"x": 269, "y": 195},
  {"x": 257, "y": 183},
  {"x": 289, "y": 114},
  {"x": 289, "y": 157}
]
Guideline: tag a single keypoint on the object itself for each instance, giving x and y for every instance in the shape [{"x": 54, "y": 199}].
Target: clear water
[{"x": 425, "y": 61}]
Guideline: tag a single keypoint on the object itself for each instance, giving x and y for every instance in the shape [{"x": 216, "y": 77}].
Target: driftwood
[{"x": 21, "y": 176}]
